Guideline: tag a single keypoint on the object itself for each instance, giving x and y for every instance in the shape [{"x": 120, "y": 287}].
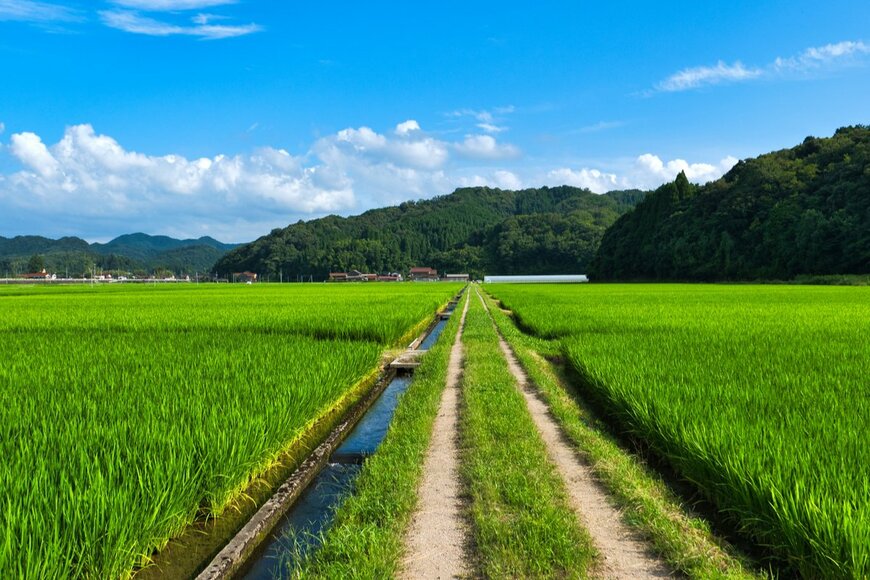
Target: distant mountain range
[{"x": 131, "y": 252}]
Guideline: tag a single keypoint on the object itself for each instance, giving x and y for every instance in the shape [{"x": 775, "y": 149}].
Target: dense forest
[
  {"x": 799, "y": 211},
  {"x": 472, "y": 230},
  {"x": 136, "y": 253}
]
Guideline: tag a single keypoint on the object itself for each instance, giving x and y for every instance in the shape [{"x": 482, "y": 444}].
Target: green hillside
[
  {"x": 799, "y": 211},
  {"x": 474, "y": 230},
  {"x": 132, "y": 252}
]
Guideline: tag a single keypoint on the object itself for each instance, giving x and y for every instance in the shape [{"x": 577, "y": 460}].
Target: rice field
[
  {"x": 757, "y": 395},
  {"x": 125, "y": 412}
]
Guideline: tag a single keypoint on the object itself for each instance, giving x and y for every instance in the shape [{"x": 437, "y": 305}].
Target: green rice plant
[
  {"x": 523, "y": 525},
  {"x": 126, "y": 413},
  {"x": 381, "y": 313},
  {"x": 755, "y": 394},
  {"x": 682, "y": 538},
  {"x": 366, "y": 539}
]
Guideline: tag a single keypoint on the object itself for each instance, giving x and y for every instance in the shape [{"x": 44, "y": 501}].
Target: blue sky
[{"x": 230, "y": 118}]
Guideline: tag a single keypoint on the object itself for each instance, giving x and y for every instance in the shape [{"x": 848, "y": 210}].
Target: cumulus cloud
[
  {"x": 87, "y": 179},
  {"x": 648, "y": 171},
  {"x": 812, "y": 59},
  {"x": 591, "y": 179},
  {"x": 33, "y": 153},
  {"x": 89, "y": 184},
  {"x": 135, "y": 23},
  {"x": 506, "y": 180},
  {"x": 407, "y": 127},
  {"x": 485, "y": 147},
  {"x": 411, "y": 148},
  {"x": 87, "y": 175}
]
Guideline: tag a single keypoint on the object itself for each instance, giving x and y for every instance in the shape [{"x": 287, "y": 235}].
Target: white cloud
[
  {"x": 137, "y": 24},
  {"x": 32, "y": 11},
  {"x": 814, "y": 58},
  {"x": 411, "y": 148},
  {"x": 407, "y": 127},
  {"x": 32, "y": 152},
  {"x": 692, "y": 78},
  {"x": 164, "y": 5},
  {"x": 506, "y": 180},
  {"x": 2, "y": 127},
  {"x": 591, "y": 179},
  {"x": 87, "y": 177},
  {"x": 650, "y": 171},
  {"x": 487, "y": 119},
  {"x": 89, "y": 184},
  {"x": 490, "y": 128},
  {"x": 647, "y": 172},
  {"x": 87, "y": 180},
  {"x": 485, "y": 147}
]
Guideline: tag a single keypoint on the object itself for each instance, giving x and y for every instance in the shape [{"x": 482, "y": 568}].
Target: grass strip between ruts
[
  {"x": 366, "y": 539},
  {"x": 682, "y": 539},
  {"x": 523, "y": 525}
]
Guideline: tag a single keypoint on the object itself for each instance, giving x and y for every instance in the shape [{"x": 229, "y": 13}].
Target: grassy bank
[
  {"x": 754, "y": 394},
  {"x": 523, "y": 526},
  {"x": 366, "y": 538},
  {"x": 682, "y": 539}
]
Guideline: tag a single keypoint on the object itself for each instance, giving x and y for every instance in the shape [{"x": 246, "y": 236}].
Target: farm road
[
  {"x": 623, "y": 555},
  {"x": 435, "y": 546}
]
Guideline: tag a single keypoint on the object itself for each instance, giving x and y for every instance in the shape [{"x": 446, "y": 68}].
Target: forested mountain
[
  {"x": 804, "y": 210},
  {"x": 132, "y": 252},
  {"x": 474, "y": 230}
]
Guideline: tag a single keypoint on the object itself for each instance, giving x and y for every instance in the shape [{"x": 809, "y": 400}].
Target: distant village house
[
  {"x": 456, "y": 277},
  {"x": 423, "y": 275},
  {"x": 43, "y": 275},
  {"x": 245, "y": 276},
  {"x": 352, "y": 276}
]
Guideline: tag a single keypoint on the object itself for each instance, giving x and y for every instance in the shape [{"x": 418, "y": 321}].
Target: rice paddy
[
  {"x": 127, "y": 412},
  {"x": 757, "y": 395}
]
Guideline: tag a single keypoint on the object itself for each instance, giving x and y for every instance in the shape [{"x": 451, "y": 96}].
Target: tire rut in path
[
  {"x": 436, "y": 541},
  {"x": 623, "y": 554}
]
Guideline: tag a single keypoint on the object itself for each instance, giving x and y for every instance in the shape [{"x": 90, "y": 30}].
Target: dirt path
[
  {"x": 623, "y": 555},
  {"x": 435, "y": 545}
]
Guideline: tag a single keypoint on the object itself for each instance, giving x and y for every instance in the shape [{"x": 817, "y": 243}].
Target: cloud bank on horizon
[{"x": 86, "y": 181}]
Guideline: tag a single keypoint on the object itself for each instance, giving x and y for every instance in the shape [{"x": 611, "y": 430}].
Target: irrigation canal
[{"x": 300, "y": 529}]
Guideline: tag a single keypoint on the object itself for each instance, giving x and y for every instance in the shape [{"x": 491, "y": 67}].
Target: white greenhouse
[{"x": 553, "y": 279}]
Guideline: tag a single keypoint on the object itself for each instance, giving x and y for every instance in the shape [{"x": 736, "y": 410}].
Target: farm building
[
  {"x": 456, "y": 277},
  {"x": 352, "y": 276},
  {"x": 43, "y": 275},
  {"x": 423, "y": 274},
  {"x": 552, "y": 279},
  {"x": 242, "y": 276},
  {"x": 391, "y": 277}
]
